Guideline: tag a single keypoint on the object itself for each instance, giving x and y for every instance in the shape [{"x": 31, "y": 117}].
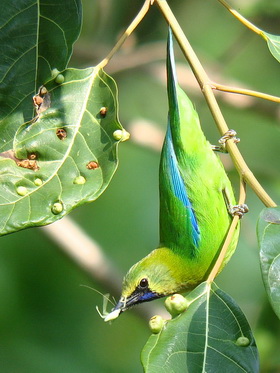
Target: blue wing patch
[{"x": 178, "y": 186}]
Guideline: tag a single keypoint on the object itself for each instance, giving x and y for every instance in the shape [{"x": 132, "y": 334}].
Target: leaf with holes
[
  {"x": 273, "y": 42},
  {"x": 36, "y": 37},
  {"x": 268, "y": 230},
  {"x": 211, "y": 336},
  {"x": 64, "y": 158}
]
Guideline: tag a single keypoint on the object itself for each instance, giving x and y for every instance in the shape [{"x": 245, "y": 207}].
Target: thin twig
[
  {"x": 242, "y": 19},
  {"x": 143, "y": 11},
  {"x": 215, "y": 270},
  {"x": 184, "y": 44},
  {"x": 205, "y": 85},
  {"x": 243, "y": 91}
]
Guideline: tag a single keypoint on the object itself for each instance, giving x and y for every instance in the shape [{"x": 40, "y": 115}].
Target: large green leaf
[
  {"x": 268, "y": 230},
  {"x": 74, "y": 152},
  {"x": 67, "y": 155},
  {"x": 212, "y": 336},
  {"x": 273, "y": 42},
  {"x": 35, "y": 37}
]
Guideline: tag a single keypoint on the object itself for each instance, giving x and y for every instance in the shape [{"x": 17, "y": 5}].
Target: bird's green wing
[{"x": 193, "y": 212}]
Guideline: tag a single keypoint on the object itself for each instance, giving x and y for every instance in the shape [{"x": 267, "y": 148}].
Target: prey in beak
[{"x": 116, "y": 311}]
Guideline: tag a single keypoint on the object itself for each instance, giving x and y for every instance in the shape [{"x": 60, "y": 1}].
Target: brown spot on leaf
[
  {"x": 92, "y": 165},
  {"x": 30, "y": 163},
  {"x": 32, "y": 156},
  {"x": 103, "y": 111},
  {"x": 42, "y": 101},
  {"x": 27, "y": 163},
  {"x": 37, "y": 100},
  {"x": 61, "y": 133}
]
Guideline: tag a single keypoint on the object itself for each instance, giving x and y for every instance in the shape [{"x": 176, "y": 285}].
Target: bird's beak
[{"x": 123, "y": 304}]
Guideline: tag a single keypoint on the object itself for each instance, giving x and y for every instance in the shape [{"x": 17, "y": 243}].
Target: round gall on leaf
[
  {"x": 176, "y": 304},
  {"x": 57, "y": 208},
  {"x": 118, "y": 134},
  {"x": 156, "y": 324},
  {"x": 21, "y": 190},
  {"x": 59, "y": 79},
  {"x": 242, "y": 341},
  {"x": 55, "y": 72},
  {"x": 38, "y": 182},
  {"x": 79, "y": 180},
  {"x": 121, "y": 135}
]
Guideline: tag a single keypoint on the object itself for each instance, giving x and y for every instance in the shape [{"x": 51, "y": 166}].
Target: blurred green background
[{"x": 48, "y": 322}]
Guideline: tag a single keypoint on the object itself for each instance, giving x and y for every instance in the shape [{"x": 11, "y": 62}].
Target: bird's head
[{"x": 149, "y": 279}]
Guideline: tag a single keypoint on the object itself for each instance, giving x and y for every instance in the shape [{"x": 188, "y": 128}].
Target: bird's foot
[
  {"x": 229, "y": 135},
  {"x": 238, "y": 210},
  {"x": 219, "y": 148}
]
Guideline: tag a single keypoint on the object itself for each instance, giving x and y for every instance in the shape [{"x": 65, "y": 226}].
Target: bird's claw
[
  {"x": 229, "y": 135},
  {"x": 219, "y": 148},
  {"x": 239, "y": 210}
]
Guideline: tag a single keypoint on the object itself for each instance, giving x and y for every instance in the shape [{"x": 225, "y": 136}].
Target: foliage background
[{"x": 48, "y": 323}]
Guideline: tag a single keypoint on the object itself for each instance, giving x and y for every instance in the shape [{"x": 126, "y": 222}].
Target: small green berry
[
  {"x": 38, "y": 182},
  {"x": 57, "y": 208},
  {"x": 156, "y": 324},
  {"x": 79, "y": 180},
  {"x": 121, "y": 135},
  {"x": 242, "y": 341},
  {"x": 176, "y": 304},
  {"x": 59, "y": 79},
  {"x": 21, "y": 190}
]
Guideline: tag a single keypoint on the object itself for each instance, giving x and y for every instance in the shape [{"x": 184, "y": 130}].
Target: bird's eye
[{"x": 143, "y": 283}]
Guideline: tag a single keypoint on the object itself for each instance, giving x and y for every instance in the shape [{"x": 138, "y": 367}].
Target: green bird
[{"x": 195, "y": 200}]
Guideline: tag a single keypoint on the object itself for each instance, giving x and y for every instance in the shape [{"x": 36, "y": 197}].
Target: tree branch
[
  {"x": 205, "y": 85},
  {"x": 143, "y": 11},
  {"x": 243, "y": 91},
  {"x": 216, "y": 269},
  {"x": 242, "y": 19}
]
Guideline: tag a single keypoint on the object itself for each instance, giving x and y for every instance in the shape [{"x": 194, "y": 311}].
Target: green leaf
[
  {"x": 212, "y": 336},
  {"x": 66, "y": 156},
  {"x": 71, "y": 147},
  {"x": 273, "y": 42},
  {"x": 35, "y": 38},
  {"x": 268, "y": 230}
]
